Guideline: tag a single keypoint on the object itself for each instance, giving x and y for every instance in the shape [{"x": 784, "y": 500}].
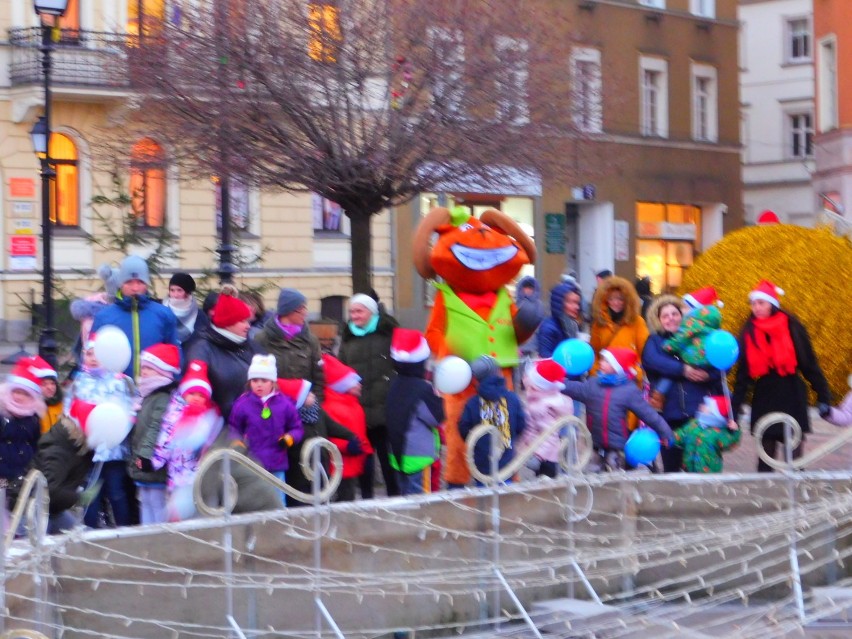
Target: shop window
[
  {"x": 148, "y": 183},
  {"x": 145, "y": 17},
  {"x": 667, "y": 234},
  {"x": 65, "y": 187}
]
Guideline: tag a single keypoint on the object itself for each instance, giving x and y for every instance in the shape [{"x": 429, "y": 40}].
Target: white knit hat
[
  {"x": 263, "y": 367},
  {"x": 366, "y": 301}
]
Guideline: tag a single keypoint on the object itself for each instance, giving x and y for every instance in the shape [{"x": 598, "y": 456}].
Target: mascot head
[{"x": 472, "y": 255}]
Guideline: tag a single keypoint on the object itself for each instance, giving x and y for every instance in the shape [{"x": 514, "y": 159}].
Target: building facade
[
  {"x": 302, "y": 238},
  {"x": 655, "y": 89},
  {"x": 777, "y": 84}
]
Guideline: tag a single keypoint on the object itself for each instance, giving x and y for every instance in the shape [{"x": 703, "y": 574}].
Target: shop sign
[
  {"x": 667, "y": 231},
  {"x": 22, "y": 188},
  {"x": 23, "y": 209},
  {"x": 22, "y": 252},
  {"x": 554, "y": 233}
]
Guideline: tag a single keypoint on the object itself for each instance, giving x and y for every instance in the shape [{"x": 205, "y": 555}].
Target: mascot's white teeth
[{"x": 483, "y": 259}]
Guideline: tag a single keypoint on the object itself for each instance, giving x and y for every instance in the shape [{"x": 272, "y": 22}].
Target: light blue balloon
[
  {"x": 575, "y": 356},
  {"x": 721, "y": 349},
  {"x": 642, "y": 447}
]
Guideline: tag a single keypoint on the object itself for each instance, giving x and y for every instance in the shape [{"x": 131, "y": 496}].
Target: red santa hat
[
  {"x": 229, "y": 310},
  {"x": 339, "y": 377},
  {"x": 546, "y": 375},
  {"x": 766, "y": 291},
  {"x": 717, "y": 406},
  {"x": 195, "y": 380},
  {"x": 408, "y": 346},
  {"x": 702, "y": 297},
  {"x": 90, "y": 342},
  {"x": 23, "y": 377},
  {"x": 42, "y": 369},
  {"x": 165, "y": 358},
  {"x": 623, "y": 360},
  {"x": 295, "y": 389},
  {"x": 79, "y": 411}
]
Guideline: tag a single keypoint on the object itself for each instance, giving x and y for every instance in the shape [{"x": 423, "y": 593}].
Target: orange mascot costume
[{"x": 473, "y": 313}]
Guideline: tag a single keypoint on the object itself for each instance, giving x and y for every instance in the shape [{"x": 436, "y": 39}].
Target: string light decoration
[
  {"x": 812, "y": 266},
  {"x": 665, "y": 554}
]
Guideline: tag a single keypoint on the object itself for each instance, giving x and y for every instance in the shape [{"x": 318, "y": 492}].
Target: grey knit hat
[
  {"x": 289, "y": 300},
  {"x": 133, "y": 267}
]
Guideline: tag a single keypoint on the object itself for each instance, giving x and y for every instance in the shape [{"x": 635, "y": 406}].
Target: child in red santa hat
[
  {"x": 342, "y": 393},
  {"x": 190, "y": 424}
]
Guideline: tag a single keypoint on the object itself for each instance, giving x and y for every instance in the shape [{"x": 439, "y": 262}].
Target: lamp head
[
  {"x": 50, "y": 7},
  {"x": 38, "y": 135}
]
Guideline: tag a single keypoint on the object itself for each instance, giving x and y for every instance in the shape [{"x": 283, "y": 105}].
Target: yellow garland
[{"x": 812, "y": 266}]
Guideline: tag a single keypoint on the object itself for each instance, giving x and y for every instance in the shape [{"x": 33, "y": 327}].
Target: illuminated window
[
  {"x": 145, "y": 17},
  {"x": 64, "y": 189},
  {"x": 324, "y": 32},
  {"x": 70, "y": 21},
  {"x": 148, "y": 182},
  {"x": 667, "y": 235}
]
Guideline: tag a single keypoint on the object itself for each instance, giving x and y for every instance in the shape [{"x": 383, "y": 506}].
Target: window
[
  {"x": 827, "y": 78},
  {"x": 705, "y": 124},
  {"x": 447, "y": 76},
  {"x": 657, "y": 4},
  {"x": 654, "y": 107},
  {"x": 238, "y": 198},
  {"x": 667, "y": 234},
  {"x": 324, "y": 32},
  {"x": 798, "y": 40},
  {"x": 148, "y": 183},
  {"x": 801, "y": 135},
  {"x": 587, "y": 89},
  {"x": 145, "y": 17},
  {"x": 703, "y": 8},
  {"x": 70, "y": 21},
  {"x": 512, "y": 105},
  {"x": 65, "y": 188},
  {"x": 328, "y": 216}
]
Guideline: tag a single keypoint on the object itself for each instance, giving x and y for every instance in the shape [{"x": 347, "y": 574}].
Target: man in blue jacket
[{"x": 144, "y": 321}]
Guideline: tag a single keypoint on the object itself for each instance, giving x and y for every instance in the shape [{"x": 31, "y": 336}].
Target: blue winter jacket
[
  {"x": 552, "y": 332},
  {"x": 144, "y": 321},
  {"x": 492, "y": 389}
]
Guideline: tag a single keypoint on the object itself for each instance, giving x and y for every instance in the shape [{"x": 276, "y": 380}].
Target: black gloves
[
  {"x": 144, "y": 464},
  {"x": 824, "y": 409}
]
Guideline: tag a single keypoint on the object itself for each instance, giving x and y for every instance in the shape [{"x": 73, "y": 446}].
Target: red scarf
[{"x": 771, "y": 347}]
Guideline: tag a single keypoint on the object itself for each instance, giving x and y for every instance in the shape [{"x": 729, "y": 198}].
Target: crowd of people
[{"x": 229, "y": 373}]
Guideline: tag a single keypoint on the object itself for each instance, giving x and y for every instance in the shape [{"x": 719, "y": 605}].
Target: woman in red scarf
[{"x": 774, "y": 350}]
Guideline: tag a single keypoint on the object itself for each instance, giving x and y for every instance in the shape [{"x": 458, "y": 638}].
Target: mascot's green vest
[{"x": 469, "y": 336}]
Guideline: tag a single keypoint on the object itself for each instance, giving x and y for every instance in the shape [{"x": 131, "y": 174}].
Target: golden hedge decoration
[{"x": 812, "y": 266}]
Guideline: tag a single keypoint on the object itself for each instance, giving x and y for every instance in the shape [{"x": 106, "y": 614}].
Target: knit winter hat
[
  {"x": 22, "y": 376},
  {"x": 702, "y": 297},
  {"x": 408, "y": 346},
  {"x": 766, "y": 291},
  {"x": 717, "y": 406},
  {"x": 164, "y": 358},
  {"x": 623, "y": 360},
  {"x": 484, "y": 366},
  {"x": 42, "y": 369},
  {"x": 295, "y": 389},
  {"x": 132, "y": 267},
  {"x": 185, "y": 281},
  {"x": 229, "y": 310},
  {"x": 366, "y": 301},
  {"x": 546, "y": 375},
  {"x": 289, "y": 300},
  {"x": 195, "y": 380},
  {"x": 263, "y": 367},
  {"x": 339, "y": 377}
]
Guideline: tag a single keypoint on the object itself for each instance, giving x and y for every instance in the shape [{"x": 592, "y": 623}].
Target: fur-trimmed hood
[
  {"x": 652, "y": 319},
  {"x": 632, "y": 303},
  {"x": 75, "y": 434}
]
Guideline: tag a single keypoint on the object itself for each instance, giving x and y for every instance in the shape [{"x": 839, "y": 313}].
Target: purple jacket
[
  {"x": 261, "y": 435},
  {"x": 842, "y": 415}
]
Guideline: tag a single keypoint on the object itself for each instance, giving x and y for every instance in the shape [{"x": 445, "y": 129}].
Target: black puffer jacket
[
  {"x": 297, "y": 358},
  {"x": 65, "y": 461},
  {"x": 227, "y": 366},
  {"x": 369, "y": 355}
]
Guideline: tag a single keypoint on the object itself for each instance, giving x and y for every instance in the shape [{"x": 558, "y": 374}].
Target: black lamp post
[{"x": 40, "y": 135}]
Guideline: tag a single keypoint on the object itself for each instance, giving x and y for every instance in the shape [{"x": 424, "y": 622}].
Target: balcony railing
[{"x": 87, "y": 59}]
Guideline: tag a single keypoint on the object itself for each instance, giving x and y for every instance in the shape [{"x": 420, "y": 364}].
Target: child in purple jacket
[
  {"x": 842, "y": 414},
  {"x": 263, "y": 422}
]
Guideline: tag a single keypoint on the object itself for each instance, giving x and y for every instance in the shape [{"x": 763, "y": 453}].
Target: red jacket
[{"x": 346, "y": 410}]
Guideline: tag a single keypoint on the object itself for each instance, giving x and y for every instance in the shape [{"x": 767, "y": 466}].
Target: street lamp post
[{"x": 40, "y": 135}]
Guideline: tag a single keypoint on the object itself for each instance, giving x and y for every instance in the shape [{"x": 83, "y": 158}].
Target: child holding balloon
[
  {"x": 608, "y": 397},
  {"x": 704, "y": 438}
]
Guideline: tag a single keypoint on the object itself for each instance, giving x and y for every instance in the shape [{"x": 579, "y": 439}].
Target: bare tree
[{"x": 364, "y": 102}]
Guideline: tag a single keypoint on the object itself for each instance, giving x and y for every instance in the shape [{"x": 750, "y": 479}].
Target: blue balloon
[
  {"x": 721, "y": 349},
  {"x": 642, "y": 447},
  {"x": 574, "y": 355}
]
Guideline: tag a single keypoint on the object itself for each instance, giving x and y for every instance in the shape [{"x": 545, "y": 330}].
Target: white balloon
[
  {"x": 452, "y": 375},
  {"x": 107, "y": 425},
  {"x": 112, "y": 348}
]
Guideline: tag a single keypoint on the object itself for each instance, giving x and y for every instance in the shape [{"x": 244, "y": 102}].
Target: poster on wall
[
  {"x": 622, "y": 241},
  {"x": 23, "y": 250}
]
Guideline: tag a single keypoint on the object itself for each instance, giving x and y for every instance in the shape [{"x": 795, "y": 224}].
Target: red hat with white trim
[
  {"x": 768, "y": 292},
  {"x": 338, "y": 376},
  {"x": 42, "y": 369},
  {"x": 546, "y": 375},
  {"x": 717, "y": 406},
  {"x": 195, "y": 380},
  {"x": 702, "y": 297},
  {"x": 295, "y": 389},
  {"x": 79, "y": 411},
  {"x": 623, "y": 360},
  {"x": 22, "y": 376},
  {"x": 163, "y": 357},
  {"x": 408, "y": 346}
]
